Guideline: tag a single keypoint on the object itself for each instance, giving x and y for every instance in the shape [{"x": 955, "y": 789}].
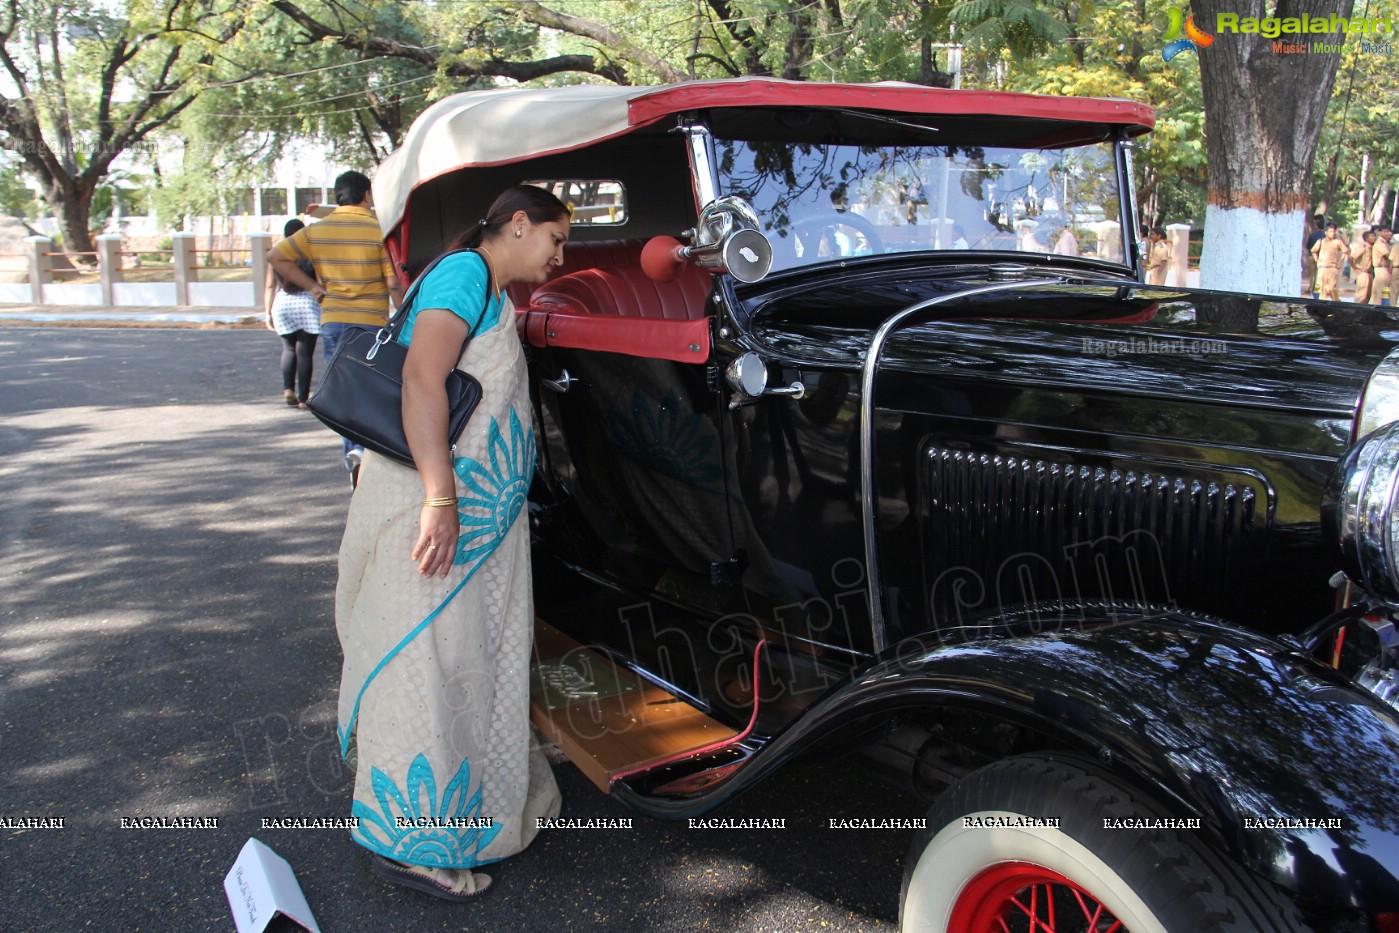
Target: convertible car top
[{"x": 482, "y": 128}]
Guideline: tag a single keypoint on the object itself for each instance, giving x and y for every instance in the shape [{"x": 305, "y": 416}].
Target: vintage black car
[{"x": 856, "y": 424}]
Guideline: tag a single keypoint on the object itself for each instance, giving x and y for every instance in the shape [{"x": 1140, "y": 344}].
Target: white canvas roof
[
  {"x": 479, "y": 128},
  {"x": 495, "y": 127}
]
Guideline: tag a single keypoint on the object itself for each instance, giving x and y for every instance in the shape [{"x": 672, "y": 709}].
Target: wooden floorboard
[{"x": 608, "y": 719}]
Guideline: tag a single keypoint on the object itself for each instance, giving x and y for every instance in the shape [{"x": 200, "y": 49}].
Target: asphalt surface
[{"x": 168, "y": 530}]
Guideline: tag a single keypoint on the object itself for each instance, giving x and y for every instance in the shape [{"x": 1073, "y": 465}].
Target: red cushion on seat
[
  {"x": 681, "y": 341},
  {"x": 626, "y": 291},
  {"x": 585, "y": 255}
]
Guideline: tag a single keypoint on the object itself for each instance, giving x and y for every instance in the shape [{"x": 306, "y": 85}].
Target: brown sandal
[{"x": 450, "y": 884}]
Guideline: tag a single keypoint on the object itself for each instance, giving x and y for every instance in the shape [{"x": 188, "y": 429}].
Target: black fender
[{"x": 1288, "y": 767}]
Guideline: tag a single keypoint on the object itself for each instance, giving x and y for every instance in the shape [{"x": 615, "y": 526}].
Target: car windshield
[{"x": 819, "y": 202}]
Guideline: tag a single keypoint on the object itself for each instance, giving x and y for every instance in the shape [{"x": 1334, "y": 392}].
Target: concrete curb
[{"x": 114, "y": 316}]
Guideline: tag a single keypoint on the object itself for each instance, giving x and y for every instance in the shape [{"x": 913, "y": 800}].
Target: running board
[{"x": 609, "y": 721}]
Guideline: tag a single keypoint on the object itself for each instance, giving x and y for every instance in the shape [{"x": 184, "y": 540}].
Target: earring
[{"x": 519, "y": 232}]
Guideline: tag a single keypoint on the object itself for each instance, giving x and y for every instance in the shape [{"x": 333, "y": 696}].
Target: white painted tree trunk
[
  {"x": 1264, "y": 110},
  {"x": 1248, "y": 250}
]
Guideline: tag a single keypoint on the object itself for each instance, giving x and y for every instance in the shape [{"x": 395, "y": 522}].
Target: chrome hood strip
[{"x": 868, "y": 505}]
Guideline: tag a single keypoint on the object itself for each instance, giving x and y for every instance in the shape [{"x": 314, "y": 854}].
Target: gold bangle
[{"x": 440, "y": 503}]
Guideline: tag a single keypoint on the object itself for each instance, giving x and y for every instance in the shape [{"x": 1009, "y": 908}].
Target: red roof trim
[{"x": 648, "y": 108}]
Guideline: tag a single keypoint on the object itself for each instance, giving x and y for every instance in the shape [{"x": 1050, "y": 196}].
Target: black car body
[{"x": 869, "y": 460}]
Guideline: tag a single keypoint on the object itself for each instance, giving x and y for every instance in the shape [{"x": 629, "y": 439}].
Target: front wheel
[{"x": 1021, "y": 845}]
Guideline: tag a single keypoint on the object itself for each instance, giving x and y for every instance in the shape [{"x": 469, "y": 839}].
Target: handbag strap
[{"x": 395, "y": 323}]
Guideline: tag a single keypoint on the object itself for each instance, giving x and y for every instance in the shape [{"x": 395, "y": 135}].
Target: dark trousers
[
  {"x": 298, "y": 357},
  {"x": 332, "y": 332}
]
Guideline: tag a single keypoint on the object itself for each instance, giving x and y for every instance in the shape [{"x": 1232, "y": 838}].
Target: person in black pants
[{"x": 294, "y": 315}]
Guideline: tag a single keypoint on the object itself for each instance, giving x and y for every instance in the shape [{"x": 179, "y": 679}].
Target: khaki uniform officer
[
  {"x": 1158, "y": 254},
  {"x": 1308, "y": 260},
  {"x": 1362, "y": 260},
  {"x": 1330, "y": 256},
  {"x": 1382, "y": 253}
]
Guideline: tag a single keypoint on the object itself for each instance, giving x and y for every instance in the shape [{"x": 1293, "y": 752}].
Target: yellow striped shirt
[{"x": 348, "y": 253}]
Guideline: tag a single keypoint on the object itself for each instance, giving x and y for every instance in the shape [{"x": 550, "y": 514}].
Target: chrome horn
[{"x": 728, "y": 239}]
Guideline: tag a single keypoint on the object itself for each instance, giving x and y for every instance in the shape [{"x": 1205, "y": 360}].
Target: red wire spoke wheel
[
  {"x": 1032, "y": 844},
  {"x": 1018, "y": 897}
]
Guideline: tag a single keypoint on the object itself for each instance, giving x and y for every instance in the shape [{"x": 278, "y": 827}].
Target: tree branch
[
  {"x": 118, "y": 58},
  {"x": 102, "y": 159},
  {"x": 381, "y": 47},
  {"x": 539, "y": 15},
  {"x": 726, "y": 65},
  {"x": 366, "y": 135}
]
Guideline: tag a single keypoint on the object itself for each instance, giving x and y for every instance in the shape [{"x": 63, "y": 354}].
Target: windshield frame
[{"x": 1113, "y": 245}]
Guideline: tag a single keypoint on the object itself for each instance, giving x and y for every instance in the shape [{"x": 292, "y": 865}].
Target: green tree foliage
[
  {"x": 1358, "y": 155},
  {"x": 648, "y": 41},
  {"x": 274, "y": 87},
  {"x": 857, "y": 40},
  {"x": 463, "y": 41},
  {"x": 16, "y": 197},
  {"x": 89, "y": 80},
  {"x": 1023, "y": 28},
  {"x": 1113, "y": 49}
]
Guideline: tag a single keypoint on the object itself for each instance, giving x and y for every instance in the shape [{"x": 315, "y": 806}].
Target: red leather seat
[
  {"x": 597, "y": 254},
  {"x": 622, "y": 310},
  {"x": 627, "y": 291}
]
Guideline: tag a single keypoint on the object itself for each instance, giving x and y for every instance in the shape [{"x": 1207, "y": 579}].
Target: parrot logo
[{"x": 1194, "y": 39}]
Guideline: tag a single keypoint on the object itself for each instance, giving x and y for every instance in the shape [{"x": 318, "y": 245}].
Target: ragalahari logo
[{"x": 1194, "y": 39}]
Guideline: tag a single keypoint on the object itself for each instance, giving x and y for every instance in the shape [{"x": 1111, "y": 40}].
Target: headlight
[
  {"x": 1360, "y": 515},
  {"x": 1380, "y": 404}
]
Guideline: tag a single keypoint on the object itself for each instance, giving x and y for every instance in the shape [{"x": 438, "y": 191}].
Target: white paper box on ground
[{"x": 261, "y": 885}]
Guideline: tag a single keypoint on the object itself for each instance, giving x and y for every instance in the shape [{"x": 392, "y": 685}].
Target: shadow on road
[{"x": 167, "y": 648}]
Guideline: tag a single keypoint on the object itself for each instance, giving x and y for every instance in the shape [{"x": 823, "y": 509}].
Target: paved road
[{"x": 167, "y": 559}]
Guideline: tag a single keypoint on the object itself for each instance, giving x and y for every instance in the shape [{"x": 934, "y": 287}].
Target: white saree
[{"x": 435, "y": 687}]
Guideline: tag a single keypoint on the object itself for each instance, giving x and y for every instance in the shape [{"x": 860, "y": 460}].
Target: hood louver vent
[{"x": 1001, "y": 531}]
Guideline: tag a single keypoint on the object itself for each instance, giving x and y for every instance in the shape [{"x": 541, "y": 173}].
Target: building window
[
  {"x": 273, "y": 202},
  {"x": 305, "y": 197}
]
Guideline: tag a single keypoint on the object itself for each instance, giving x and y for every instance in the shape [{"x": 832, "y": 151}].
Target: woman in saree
[{"x": 434, "y": 606}]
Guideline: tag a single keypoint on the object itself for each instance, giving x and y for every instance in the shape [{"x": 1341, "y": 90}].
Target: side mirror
[{"x": 747, "y": 375}]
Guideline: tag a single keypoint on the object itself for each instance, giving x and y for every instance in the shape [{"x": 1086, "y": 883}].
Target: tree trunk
[
  {"x": 799, "y": 43},
  {"x": 71, "y": 204},
  {"x": 73, "y": 218},
  {"x": 1379, "y": 205},
  {"x": 1263, "y": 115}
]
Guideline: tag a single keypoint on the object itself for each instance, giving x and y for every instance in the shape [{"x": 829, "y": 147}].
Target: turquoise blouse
[{"x": 458, "y": 283}]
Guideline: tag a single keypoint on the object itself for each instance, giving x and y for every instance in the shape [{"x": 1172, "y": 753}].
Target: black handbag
[{"x": 361, "y": 392}]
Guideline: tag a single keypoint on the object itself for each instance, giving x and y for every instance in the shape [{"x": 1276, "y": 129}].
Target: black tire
[{"x": 1158, "y": 880}]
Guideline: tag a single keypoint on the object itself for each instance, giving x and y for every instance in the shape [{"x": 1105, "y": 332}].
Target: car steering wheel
[{"x": 816, "y": 236}]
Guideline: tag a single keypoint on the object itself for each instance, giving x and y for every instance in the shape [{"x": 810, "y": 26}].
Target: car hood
[{"x": 1084, "y": 331}]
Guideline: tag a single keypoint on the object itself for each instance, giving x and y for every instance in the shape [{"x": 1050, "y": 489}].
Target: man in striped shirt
[{"x": 354, "y": 279}]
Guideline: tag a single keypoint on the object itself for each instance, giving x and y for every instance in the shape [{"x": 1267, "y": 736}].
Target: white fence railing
[{"x": 111, "y": 288}]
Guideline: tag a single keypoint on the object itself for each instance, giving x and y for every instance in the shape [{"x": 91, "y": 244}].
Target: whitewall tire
[{"x": 1025, "y": 837}]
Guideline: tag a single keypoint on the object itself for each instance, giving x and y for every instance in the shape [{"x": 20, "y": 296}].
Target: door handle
[{"x": 561, "y": 384}]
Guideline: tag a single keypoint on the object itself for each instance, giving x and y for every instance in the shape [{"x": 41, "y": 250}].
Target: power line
[
  {"x": 281, "y": 76},
  {"x": 319, "y": 113},
  {"x": 324, "y": 100}
]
